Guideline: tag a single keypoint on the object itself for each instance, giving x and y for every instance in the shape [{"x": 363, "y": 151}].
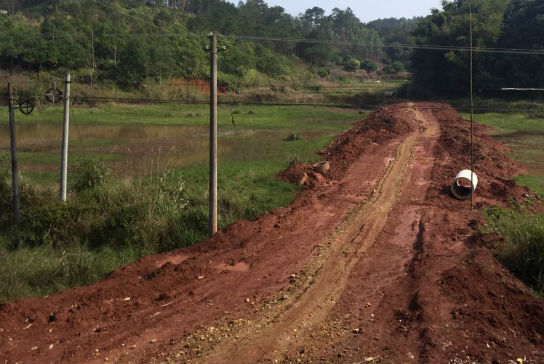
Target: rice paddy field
[{"x": 141, "y": 141}]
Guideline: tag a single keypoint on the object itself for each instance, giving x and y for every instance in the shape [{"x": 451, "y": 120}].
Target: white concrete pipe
[{"x": 461, "y": 190}]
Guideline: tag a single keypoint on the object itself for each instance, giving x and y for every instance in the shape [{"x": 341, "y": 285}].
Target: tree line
[
  {"x": 132, "y": 42},
  {"x": 497, "y": 24}
]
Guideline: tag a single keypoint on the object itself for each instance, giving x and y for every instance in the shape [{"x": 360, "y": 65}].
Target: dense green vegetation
[
  {"x": 523, "y": 249},
  {"x": 112, "y": 218},
  {"x": 396, "y": 32},
  {"x": 130, "y": 43},
  {"x": 507, "y": 24}
]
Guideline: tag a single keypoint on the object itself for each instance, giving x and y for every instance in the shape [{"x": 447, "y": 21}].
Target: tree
[
  {"x": 446, "y": 72},
  {"x": 369, "y": 65},
  {"x": 352, "y": 65},
  {"x": 523, "y": 25},
  {"x": 396, "y": 32}
]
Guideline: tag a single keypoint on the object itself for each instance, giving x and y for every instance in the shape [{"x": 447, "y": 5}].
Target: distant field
[
  {"x": 139, "y": 141},
  {"x": 524, "y": 134}
]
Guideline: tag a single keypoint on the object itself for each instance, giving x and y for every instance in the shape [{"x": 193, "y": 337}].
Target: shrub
[
  {"x": 369, "y": 65},
  {"x": 398, "y": 67},
  {"x": 323, "y": 72},
  {"x": 351, "y": 65},
  {"x": 88, "y": 173},
  {"x": 293, "y": 137}
]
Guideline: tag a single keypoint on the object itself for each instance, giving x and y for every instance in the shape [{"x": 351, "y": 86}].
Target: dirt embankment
[{"x": 373, "y": 262}]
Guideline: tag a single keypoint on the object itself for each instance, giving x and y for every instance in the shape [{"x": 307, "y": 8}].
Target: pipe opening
[{"x": 461, "y": 187}]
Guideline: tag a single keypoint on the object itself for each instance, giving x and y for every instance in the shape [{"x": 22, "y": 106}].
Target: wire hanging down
[{"x": 471, "y": 110}]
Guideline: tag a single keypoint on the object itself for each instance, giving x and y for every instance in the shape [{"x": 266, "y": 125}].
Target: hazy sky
[{"x": 366, "y": 10}]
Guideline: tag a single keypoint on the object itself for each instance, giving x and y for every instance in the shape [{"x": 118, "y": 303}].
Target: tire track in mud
[{"x": 287, "y": 326}]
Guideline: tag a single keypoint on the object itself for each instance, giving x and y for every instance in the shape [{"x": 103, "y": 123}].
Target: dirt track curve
[{"x": 373, "y": 262}]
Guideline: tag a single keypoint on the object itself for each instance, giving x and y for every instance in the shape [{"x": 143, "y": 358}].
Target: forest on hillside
[
  {"x": 510, "y": 31},
  {"x": 132, "y": 42},
  {"x": 129, "y": 43}
]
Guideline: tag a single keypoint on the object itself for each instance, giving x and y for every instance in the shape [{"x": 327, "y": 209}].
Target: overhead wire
[
  {"x": 123, "y": 13},
  {"x": 519, "y": 51},
  {"x": 124, "y": 100}
]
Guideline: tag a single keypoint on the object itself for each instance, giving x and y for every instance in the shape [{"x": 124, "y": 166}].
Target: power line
[
  {"x": 395, "y": 45},
  {"x": 123, "y": 13},
  {"x": 520, "y": 51},
  {"x": 467, "y": 108}
]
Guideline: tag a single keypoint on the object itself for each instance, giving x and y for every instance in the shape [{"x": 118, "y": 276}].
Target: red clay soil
[{"x": 374, "y": 262}]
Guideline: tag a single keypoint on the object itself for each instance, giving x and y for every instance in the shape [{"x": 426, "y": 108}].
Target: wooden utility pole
[
  {"x": 213, "y": 135},
  {"x": 65, "y": 130},
  {"x": 14, "y": 169}
]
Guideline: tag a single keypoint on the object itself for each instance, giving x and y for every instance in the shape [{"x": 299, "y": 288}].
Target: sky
[{"x": 366, "y": 10}]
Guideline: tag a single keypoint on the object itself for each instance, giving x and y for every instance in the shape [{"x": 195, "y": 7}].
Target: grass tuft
[{"x": 523, "y": 248}]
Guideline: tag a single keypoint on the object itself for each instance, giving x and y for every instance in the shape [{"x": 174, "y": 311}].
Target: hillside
[{"x": 133, "y": 43}]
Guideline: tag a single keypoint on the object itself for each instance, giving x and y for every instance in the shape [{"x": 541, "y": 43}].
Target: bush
[
  {"x": 323, "y": 72},
  {"x": 398, "y": 67},
  {"x": 369, "y": 65},
  {"x": 88, "y": 173},
  {"x": 351, "y": 65},
  {"x": 293, "y": 137},
  {"x": 523, "y": 249}
]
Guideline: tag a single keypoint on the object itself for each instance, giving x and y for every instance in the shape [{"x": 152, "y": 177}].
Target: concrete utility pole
[
  {"x": 93, "y": 65},
  {"x": 65, "y": 130},
  {"x": 213, "y": 135},
  {"x": 14, "y": 169}
]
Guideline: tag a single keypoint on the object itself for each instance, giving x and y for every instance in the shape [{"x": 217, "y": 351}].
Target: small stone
[
  {"x": 322, "y": 167},
  {"x": 303, "y": 180},
  {"x": 153, "y": 341},
  {"x": 357, "y": 331}
]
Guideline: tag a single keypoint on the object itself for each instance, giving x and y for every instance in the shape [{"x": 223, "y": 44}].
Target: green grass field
[
  {"x": 524, "y": 134},
  {"x": 139, "y": 141},
  {"x": 523, "y": 248},
  {"x": 139, "y": 183}
]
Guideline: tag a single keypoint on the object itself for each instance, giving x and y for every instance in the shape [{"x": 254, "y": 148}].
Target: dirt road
[{"x": 373, "y": 262}]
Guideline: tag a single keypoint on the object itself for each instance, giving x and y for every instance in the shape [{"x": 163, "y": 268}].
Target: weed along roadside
[{"x": 137, "y": 184}]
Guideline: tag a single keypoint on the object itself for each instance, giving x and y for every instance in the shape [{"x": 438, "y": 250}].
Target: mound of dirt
[
  {"x": 495, "y": 171},
  {"x": 379, "y": 128}
]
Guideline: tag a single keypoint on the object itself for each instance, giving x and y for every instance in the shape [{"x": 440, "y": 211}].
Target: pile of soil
[
  {"x": 379, "y": 128},
  {"x": 496, "y": 172}
]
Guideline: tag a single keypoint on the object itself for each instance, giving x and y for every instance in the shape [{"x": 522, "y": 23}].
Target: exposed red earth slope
[{"x": 373, "y": 262}]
